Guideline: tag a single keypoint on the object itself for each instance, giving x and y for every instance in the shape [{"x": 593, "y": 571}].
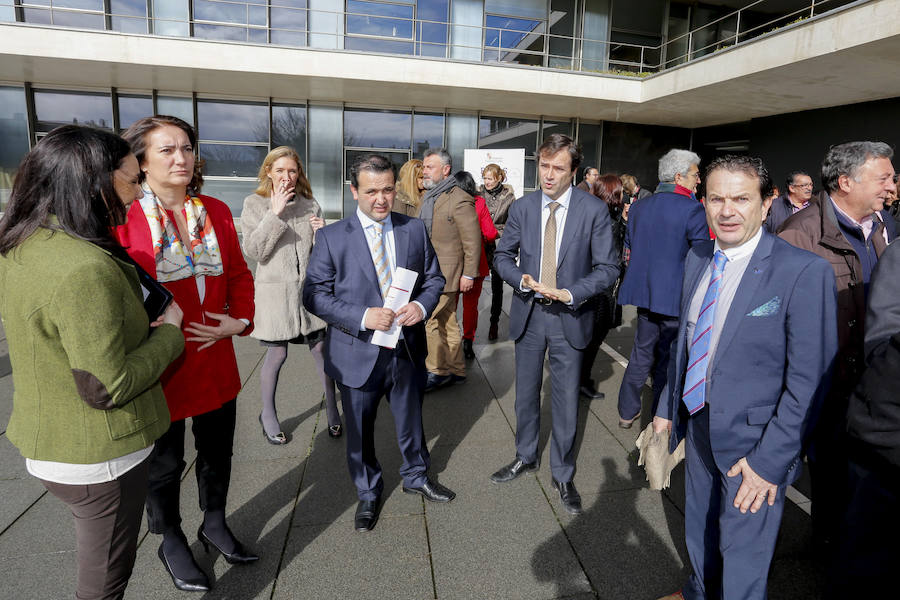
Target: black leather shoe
[
  {"x": 435, "y": 381},
  {"x": 195, "y": 584},
  {"x": 571, "y": 499},
  {"x": 468, "y": 351},
  {"x": 588, "y": 390},
  {"x": 432, "y": 491},
  {"x": 366, "y": 515},
  {"x": 513, "y": 470},
  {"x": 237, "y": 557}
]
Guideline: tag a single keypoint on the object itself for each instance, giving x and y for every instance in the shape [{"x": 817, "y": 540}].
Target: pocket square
[{"x": 766, "y": 310}]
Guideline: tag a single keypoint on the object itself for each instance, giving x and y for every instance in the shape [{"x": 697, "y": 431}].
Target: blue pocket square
[{"x": 766, "y": 310}]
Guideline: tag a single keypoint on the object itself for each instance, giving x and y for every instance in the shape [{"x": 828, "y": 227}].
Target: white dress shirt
[
  {"x": 387, "y": 234},
  {"x": 561, "y": 213}
]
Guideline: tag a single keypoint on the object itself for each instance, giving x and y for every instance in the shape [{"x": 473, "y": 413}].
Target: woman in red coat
[
  {"x": 466, "y": 182},
  {"x": 189, "y": 243}
]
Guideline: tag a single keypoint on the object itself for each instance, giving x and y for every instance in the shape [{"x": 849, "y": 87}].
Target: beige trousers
[{"x": 445, "y": 355}]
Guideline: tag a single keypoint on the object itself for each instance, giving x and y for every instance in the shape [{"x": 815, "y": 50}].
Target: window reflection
[
  {"x": 289, "y": 22},
  {"x": 428, "y": 132},
  {"x": 228, "y": 160},
  {"x": 14, "y": 133},
  {"x": 289, "y": 128},
  {"x": 53, "y": 109},
  {"x": 506, "y": 132},
  {"x": 365, "y": 128},
  {"x": 128, "y": 16},
  {"x": 431, "y": 28},
  {"x": 380, "y": 19},
  {"x": 230, "y": 191},
  {"x": 222, "y": 120},
  {"x": 174, "y": 106},
  {"x": 398, "y": 158},
  {"x": 508, "y": 39},
  {"x": 132, "y": 108}
]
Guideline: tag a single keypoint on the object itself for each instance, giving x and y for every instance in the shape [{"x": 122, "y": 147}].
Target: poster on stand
[{"x": 511, "y": 160}]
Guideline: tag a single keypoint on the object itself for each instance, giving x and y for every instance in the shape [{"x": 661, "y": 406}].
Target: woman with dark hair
[
  {"x": 498, "y": 196},
  {"x": 86, "y": 359},
  {"x": 279, "y": 223},
  {"x": 607, "y": 314},
  {"x": 466, "y": 182},
  {"x": 188, "y": 242}
]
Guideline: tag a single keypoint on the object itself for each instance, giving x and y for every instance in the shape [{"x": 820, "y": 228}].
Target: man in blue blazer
[
  {"x": 661, "y": 229},
  {"x": 562, "y": 239},
  {"x": 750, "y": 363},
  {"x": 350, "y": 270}
]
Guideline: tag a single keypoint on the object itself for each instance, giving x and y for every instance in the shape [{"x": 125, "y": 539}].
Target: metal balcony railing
[{"x": 262, "y": 22}]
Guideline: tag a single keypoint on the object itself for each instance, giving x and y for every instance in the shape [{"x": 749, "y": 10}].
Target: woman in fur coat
[{"x": 279, "y": 222}]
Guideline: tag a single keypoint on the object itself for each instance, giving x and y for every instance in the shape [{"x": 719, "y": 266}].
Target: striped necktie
[
  {"x": 698, "y": 357},
  {"x": 379, "y": 257}
]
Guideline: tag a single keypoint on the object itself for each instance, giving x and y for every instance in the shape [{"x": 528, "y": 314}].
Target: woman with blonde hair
[
  {"x": 279, "y": 222},
  {"x": 498, "y": 196},
  {"x": 410, "y": 188}
]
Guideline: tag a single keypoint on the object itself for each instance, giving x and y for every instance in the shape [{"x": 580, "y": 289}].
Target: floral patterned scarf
[{"x": 173, "y": 262}]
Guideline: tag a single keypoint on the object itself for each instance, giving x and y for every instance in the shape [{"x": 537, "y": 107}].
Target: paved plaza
[{"x": 294, "y": 504}]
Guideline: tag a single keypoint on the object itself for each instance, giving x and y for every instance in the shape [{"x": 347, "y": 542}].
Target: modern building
[{"x": 629, "y": 78}]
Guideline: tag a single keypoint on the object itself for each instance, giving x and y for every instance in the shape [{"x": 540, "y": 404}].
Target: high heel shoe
[
  {"x": 279, "y": 439},
  {"x": 238, "y": 557},
  {"x": 198, "y": 584}
]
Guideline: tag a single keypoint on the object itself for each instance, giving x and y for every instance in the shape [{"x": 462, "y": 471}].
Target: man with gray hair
[
  {"x": 452, "y": 223},
  {"x": 661, "y": 230},
  {"x": 847, "y": 226}
]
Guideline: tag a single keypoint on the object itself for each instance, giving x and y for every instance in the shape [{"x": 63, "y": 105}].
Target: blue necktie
[{"x": 694, "y": 395}]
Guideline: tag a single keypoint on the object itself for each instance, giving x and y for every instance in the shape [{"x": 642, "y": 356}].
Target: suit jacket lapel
[
  {"x": 401, "y": 244},
  {"x": 573, "y": 218},
  {"x": 359, "y": 247},
  {"x": 692, "y": 276},
  {"x": 745, "y": 292},
  {"x": 533, "y": 232}
]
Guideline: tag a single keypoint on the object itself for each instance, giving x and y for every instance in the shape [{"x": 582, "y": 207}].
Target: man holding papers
[{"x": 353, "y": 267}]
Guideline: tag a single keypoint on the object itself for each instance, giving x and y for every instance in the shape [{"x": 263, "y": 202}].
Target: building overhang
[{"x": 848, "y": 56}]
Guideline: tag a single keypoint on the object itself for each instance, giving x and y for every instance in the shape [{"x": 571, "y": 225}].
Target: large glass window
[
  {"x": 514, "y": 31},
  {"x": 55, "y": 108},
  {"x": 234, "y": 136},
  {"x": 562, "y": 34},
  {"x": 128, "y": 16},
  {"x": 244, "y": 21},
  {"x": 379, "y": 26},
  {"x": 289, "y": 128},
  {"x": 133, "y": 107},
  {"x": 428, "y": 132},
  {"x": 171, "y": 17},
  {"x": 176, "y": 106},
  {"x": 289, "y": 22},
  {"x": 83, "y": 14},
  {"x": 431, "y": 27},
  {"x": 14, "y": 133},
  {"x": 466, "y": 36},
  {"x": 364, "y": 128}
]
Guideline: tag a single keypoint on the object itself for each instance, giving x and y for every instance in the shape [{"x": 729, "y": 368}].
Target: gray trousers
[{"x": 544, "y": 334}]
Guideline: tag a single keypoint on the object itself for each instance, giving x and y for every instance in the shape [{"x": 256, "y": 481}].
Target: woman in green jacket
[{"x": 87, "y": 405}]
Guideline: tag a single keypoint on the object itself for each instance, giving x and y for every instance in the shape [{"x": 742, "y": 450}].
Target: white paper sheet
[{"x": 402, "y": 283}]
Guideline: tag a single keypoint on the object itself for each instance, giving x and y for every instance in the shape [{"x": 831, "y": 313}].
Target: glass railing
[{"x": 530, "y": 42}]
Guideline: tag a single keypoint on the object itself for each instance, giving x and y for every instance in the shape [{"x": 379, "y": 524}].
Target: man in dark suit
[
  {"x": 751, "y": 361},
  {"x": 350, "y": 272},
  {"x": 591, "y": 175},
  {"x": 661, "y": 229},
  {"x": 562, "y": 239}
]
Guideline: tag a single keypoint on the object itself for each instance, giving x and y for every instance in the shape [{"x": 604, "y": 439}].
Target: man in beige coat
[{"x": 451, "y": 221}]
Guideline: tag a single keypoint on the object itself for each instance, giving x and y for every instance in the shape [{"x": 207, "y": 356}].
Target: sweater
[
  {"x": 85, "y": 363},
  {"x": 281, "y": 246}
]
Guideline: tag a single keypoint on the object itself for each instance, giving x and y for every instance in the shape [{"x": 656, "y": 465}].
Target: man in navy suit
[
  {"x": 562, "y": 239},
  {"x": 751, "y": 360},
  {"x": 661, "y": 229},
  {"x": 350, "y": 270}
]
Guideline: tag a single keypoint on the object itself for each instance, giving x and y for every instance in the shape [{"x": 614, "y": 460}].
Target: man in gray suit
[{"x": 563, "y": 241}]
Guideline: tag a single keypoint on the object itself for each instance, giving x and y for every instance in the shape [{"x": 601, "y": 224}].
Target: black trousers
[
  {"x": 107, "y": 523},
  {"x": 496, "y": 296},
  {"x": 213, "y": 439}
]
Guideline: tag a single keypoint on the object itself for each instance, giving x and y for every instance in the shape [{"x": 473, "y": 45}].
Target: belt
[{"x": 544, "y": 301}]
